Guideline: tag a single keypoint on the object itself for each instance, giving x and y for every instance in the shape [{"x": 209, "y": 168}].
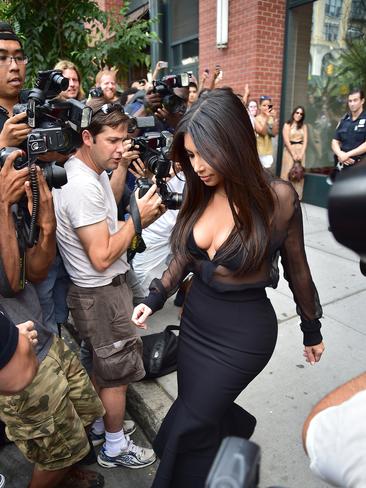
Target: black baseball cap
[{"x": 7, "y": 33}]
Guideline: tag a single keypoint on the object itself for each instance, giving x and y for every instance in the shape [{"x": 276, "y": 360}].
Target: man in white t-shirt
[
  {"x": 93, "y": 245},
  {"x": 155, "y": 259},
  {"x": 334, "y": 435}
]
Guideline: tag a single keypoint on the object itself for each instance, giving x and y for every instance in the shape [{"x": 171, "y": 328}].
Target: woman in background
[
  {"x": 295, "y": 138},
  {"x": 234, "y": 221}
]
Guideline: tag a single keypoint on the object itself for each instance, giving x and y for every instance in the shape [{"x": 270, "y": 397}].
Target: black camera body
[
  {"x": 347, "y": 210},
  {"x": 56, "y": 124},
  {"x": 154, "y": 152},
  {"x": 170, "y": 100},
  {"x": 54, "y": 174},
  {"x": 96, "y": 92}
]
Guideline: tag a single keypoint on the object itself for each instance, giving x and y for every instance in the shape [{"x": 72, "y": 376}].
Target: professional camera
[
  {"x": 154, "y": 149},
  {"x": 170, "y": 100},
  {"x": 236, "y": 465},
  {"x": 347, "y": 209},
  {"x": 56, "y": 124},
  {"x": 96, "y": 92},
  {"x": 54, "y": 174}
]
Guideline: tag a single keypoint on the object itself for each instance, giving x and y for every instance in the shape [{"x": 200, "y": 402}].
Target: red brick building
[{"x": 254, "y": 52}]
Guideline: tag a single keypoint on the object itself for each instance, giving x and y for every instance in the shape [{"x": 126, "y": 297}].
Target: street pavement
[{"x": 283, "y": 394}]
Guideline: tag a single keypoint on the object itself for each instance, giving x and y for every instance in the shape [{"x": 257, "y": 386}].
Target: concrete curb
[{"x": 148, "y": 403}]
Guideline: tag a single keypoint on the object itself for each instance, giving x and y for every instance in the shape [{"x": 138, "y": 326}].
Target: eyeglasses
[
  {"x": 299, "y": 113},
  {"x": 108, "y": 108},
  {"x": 19, "y": 59}
]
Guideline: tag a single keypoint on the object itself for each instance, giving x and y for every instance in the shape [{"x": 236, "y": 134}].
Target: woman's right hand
[{"x": 140, "y": 314}]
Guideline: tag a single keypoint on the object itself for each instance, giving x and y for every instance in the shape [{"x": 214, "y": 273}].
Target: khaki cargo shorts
[
  {"x": 47, "y": 420},
  {"x": 102, "y": 315}
]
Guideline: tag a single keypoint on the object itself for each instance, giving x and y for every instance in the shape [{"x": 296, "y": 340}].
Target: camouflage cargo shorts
[{"x": 47, "y": 420}]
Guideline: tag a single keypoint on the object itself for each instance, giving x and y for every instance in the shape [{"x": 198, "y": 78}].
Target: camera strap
[{"x": 137, "y": 243}]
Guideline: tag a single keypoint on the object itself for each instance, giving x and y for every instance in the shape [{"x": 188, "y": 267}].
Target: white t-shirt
[
  {"x": 86, "y": 199},
  {"x": 155, "y": 259},
  {"x": 336, "y": 443}
]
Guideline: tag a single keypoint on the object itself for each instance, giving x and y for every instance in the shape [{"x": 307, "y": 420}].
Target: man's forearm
[
  {"x": 336, "y": 397},
  {"x": 9, "y": 251},
  {"x": 40, "y": 257}
]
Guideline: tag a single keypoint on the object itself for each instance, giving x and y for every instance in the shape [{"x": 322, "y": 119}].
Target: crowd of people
[{"x": 235, "y": 221}]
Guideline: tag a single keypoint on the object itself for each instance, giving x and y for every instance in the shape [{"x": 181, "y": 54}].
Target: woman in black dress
[{"x": 234, "y": 223}]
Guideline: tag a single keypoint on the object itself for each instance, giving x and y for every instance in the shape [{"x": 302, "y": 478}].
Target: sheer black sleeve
[
  {"x": 296, "y": 268},
  {"x": 169, "y": 283}
]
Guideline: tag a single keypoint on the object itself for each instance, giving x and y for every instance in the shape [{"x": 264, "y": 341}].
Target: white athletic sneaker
[{"x": 132, "y": 457}]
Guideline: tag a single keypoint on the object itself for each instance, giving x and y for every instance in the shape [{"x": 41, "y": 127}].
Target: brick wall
[
  {"x": 110, "y": 5},
  {"x": 255, "y": 47}
]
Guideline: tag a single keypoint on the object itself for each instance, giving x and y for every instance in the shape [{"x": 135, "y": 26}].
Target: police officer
[{"x": 349, "y": 143}]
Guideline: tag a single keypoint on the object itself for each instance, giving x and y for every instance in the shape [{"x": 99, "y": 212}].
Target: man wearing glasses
[
  {"x": 12, "y": 75},
  {"x": 93, "y": 245}
]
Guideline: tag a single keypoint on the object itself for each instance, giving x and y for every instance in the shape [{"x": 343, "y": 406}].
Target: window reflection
[{"x": 314, "y": 76}]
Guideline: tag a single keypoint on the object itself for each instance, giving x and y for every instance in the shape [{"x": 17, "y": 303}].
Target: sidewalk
[{"x": 283, "y": 394}]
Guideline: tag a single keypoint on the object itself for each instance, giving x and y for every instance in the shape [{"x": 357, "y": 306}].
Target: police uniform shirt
[{"x": 351, "y": 133}]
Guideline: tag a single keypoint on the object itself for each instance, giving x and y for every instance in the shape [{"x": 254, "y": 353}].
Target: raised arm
[
  {"x": 40, "y": 257},
  {"x": 11, "y": 191}
]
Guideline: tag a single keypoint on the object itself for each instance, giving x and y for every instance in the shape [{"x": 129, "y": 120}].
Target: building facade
[{"x": 287, "y": 49}]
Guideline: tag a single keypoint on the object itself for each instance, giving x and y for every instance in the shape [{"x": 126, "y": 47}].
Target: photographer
[
  {"x": 18, "y": 363},
  {"x": 93, "y": 244},
  {"x": 13, "y": 132},
  {"x": 334, "y": 435},
  {"x": 12, "y": 74},
  {"x": 59, "y": 370},
  {"x": 60, "y": 402},
  {"x": 107, "y": 84}
]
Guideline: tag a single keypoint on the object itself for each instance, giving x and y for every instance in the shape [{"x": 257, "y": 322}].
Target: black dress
[{"x": 228, "y": 334}]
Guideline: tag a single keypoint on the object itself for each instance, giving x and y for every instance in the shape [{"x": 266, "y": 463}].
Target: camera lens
[{"x": 61, "y": 81}]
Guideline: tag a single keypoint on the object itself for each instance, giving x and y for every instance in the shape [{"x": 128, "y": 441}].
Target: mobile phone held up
[{"x": 163, "y": 64}]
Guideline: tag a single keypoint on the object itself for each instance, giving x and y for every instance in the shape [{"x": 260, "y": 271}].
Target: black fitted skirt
[{"x": 226, "y": 339}]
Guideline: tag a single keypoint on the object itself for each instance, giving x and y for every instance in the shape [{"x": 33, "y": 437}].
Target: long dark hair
[
  {"x": 291, "y": 119},
  {"x": 223, "y": 135}
]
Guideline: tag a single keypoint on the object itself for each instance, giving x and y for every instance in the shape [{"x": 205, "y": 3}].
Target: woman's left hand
[{"x": 313, "y": 353}]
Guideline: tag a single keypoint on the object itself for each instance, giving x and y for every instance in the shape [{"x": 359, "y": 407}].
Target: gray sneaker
[
  {"x": 129, "y": 428},
  {"x": 132, "y": 457}
]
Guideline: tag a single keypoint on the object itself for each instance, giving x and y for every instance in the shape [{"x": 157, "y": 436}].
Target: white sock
[
  {"x": 115, "y": 442},
  {"x": 98, "y": 426}
]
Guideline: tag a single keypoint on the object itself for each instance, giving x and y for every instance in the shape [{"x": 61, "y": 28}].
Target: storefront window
[
  {"x": 314, "y": 76},
  {"x": 184, "y": 34}
]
